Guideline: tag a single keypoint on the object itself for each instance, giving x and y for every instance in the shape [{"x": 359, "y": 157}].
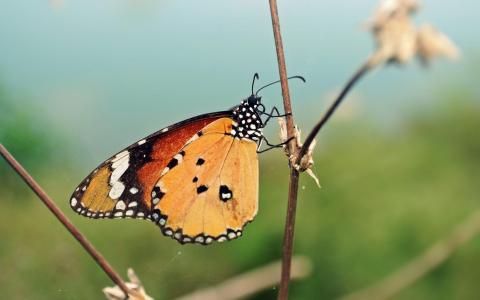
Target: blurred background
[{"x": 399, "y": 164}]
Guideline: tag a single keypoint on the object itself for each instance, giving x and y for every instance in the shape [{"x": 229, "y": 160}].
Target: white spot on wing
[
  {"x": 119, "y": 165},
  {"x": 120, "y": 205},
  {"x": 142, "y": 142},
  {"x": 133, "y": 190},
  {"x": 165, "y": 171},
  {"x": 164, "y": 130},
  {"x": 116, "y": 190},
  {"x": 193, "y": 138},
  {"x": 120, "y": 155},
  {"x": 178, "y": 157},
  {"x": 73, "y": 202}
]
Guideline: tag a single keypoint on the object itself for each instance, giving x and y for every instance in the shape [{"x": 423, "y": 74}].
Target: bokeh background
[{"x": 399, "y": 164}]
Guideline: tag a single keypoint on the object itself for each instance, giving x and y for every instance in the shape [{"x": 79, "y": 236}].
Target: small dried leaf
[
  {"x": 115, "y": 293},
  {"x": 306, "y": 163}
]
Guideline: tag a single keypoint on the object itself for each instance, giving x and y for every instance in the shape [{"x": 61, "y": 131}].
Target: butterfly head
[{"x": 254, "y": 101}]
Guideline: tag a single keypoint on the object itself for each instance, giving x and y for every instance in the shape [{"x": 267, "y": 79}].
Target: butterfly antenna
[
  {"x": 255, "y": 77},
  {"x": 293, "y": 77}
]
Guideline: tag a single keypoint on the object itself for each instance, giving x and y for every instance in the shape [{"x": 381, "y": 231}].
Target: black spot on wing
[
  {"x": 200, "y": 161},
  {"x": 225, "y": 193},
  {"x": 201, "y": 189},
  {"x": 157, "y": 192},
  {"x": 195, "y": 179},
  {"x": 172, "y": 163}
]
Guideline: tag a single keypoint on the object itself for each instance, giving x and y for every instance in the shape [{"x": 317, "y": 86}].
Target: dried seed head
[
  {"x": 115, "y": 293},
  {"x": 398, "y": 40},
  {"x": 431, "y": 43},
  {"x": 306, "y": 163},
  {"x": 391, "y": 8},
  {"x": 394, "y": 32}
]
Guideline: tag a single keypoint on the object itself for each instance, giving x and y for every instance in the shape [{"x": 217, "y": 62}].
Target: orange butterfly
[{"x": 196, "y": 179}]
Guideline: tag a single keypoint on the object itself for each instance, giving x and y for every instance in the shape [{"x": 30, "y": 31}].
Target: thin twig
[
  {"x": 316, "y": 129},
  {"x": 292, "y": 150},
  {"x": 247, "y": 284},
  {"x": 65, "y": 221},
  {"x": 422, "y": 265},
  {"x": 282, "y": 69}
]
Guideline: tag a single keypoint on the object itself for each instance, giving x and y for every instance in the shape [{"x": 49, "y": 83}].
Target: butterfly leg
[
  {"x": 271, "y": 146},
  {"x": 274, "y": 113}
]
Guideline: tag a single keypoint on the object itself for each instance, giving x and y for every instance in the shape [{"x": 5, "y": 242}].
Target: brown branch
[
  {"x": 422, "y": 265},
  {"x": 247, "y": 284},
  {"x": 331, "y": 110},
  {"x": 65, "y": 221},
  {"x": 292, "y": 150},
  {"x": 295, "y": 153}
]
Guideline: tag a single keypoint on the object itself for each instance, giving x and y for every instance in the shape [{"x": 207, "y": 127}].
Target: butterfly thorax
[{"x": 247, "y": 122}]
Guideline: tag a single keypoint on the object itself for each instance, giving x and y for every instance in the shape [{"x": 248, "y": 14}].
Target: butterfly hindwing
[
  {"x": 122, "y": 185},
  {"x": 209, "y": 190}
]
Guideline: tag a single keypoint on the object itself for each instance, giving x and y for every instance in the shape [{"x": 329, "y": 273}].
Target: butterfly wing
[
  {"x": 122, "y": 185},
  {"x": 209, "y": 190}
]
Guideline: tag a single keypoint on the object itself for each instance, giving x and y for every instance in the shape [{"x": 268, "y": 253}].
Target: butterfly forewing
[{"x": 122, "y": 185}]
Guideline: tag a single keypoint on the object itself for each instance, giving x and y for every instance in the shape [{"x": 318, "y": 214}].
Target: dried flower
[
  {"x": 115, "y": 293},
  {"x": 391, "y": 8},
  {"x": 394, "y": 32},
  {"x": 432, "y": 43},
  {"x": 398, "y": 40},
  {"x": 306, "y": 163}
]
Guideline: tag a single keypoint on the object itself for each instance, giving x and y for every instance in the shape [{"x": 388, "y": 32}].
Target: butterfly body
[{"x": 197, "y": 179}]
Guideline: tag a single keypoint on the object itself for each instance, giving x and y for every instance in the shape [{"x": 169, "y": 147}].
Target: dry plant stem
[
  {"x": 316, "y": 129},
  {"x": 282, "y": 69},
  {"x": 247, "y": 284},
  {"x": 64, "y": 220},
  {"x": 423, "y": 264},
  {"x": 294, "y": 175}
]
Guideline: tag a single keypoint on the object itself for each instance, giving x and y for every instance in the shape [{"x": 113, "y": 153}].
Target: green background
[{"x": 398, "y": 164}]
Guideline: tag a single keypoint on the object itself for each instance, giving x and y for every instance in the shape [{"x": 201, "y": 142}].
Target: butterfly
[{"x": 196, "y": 179}]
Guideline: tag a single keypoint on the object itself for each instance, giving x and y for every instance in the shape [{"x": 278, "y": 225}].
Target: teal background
[{"x": 398, "y": 164}]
